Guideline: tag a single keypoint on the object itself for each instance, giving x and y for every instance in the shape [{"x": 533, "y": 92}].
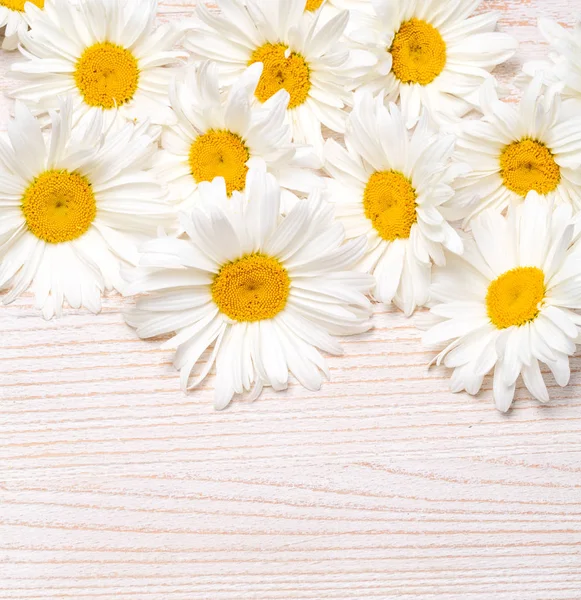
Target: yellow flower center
[
  {"x": 529, "y": 165},
  {"x": 19, "y": 4},
  {"x": 281, "y": 71},
  {"x": 313, "y": 5},
  {"x": 252, "y": 288},
  {"x": 59, "y": 206},
  {"x": 220, "y": 154},
  {"x": 107, "y": 75},
  {"x": 513, "y": 299},
  {"x": 389, "y": 201},
  {"x": 418, "y": 52}
]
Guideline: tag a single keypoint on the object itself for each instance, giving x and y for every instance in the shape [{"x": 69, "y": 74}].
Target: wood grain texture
[{"x": 383, "y": 485}]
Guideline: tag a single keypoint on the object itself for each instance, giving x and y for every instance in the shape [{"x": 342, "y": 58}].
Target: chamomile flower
[
  {"x": 223, "y": 133},
  {"x": 13, "y": 20},
  {"x": 396, "y": 190},
  {"x": 563, "y": 69},
  {"x": 106, "y": 53},
  {"x": 263, "y": 293},
  {"x": 515, "y": 149},
  {"x": 74, "y": 207},
  {"x": 507, "y": 304},
  {"x": 431, "y": 54},
  {"x": 298, "y": 53}
]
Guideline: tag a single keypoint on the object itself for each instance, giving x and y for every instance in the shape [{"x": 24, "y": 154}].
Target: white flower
[
  {"x": 515, "y": 149},
  {"x": 563, "y": 69},
  {"x": 106, "y": 53},
  {"x": 298, "y": 54},
  {"x": 14, "y": 20},
  {"x": 74, "y": 206},
  {"x": 261, "y": 291},
  {"x": 224, "y": 133},
  {"x": 396, "y": 190},
  {"x": 431, "y": 54},
  {"x": 508, "y": 303}
]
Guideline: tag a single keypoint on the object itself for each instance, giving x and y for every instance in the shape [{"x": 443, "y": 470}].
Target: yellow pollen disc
[
  {"x": 418, "y": 52},
  {"x": 107, "y": 75},
  {"x": 529, "y": 165},
  {"x": 390, "y": 204},
  {"x": 19, "y": 4},
  {"x": 220, "y": 154},
  {"x": 252, "y": 288},
  {"x": 292, "y": 74},
  {"x": 514, "y": 298},
  {"x": 59, "y": 206},
  {"x": 313, "y": 5}
]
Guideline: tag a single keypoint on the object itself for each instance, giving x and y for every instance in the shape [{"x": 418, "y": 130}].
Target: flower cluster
[{"x": 258, "y": 175}]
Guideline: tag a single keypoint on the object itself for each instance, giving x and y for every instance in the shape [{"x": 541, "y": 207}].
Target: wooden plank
[{"x": 383, "y": 485}]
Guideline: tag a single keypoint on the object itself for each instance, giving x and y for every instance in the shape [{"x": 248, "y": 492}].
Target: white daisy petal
[
  {"x": 560, "y": 369},
  {"x": 464, "y": 380},
  {"x": 534, "y": 381},
  {"x": 503, "y": 393}
]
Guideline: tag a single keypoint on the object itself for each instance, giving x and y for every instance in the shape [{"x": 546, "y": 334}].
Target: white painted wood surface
[{"x": 383, "y": 485}]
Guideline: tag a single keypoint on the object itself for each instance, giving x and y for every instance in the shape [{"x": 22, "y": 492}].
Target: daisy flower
[
  {"x": 263, "y": 293},
  {"x": 508, "y": 303},
  {"x": 106, "y": 53},
  {"x": 563, "y": 69},
  {"x": 224, "y": 133},
  {"x": 516, "y": 149},
  {"x": 395, "y": 189},
  {"x": 431, "y": 54},
  {"x": 74, "y": 206},
  {"x": 13, "y": 20},
  {"x": 298, "y": 54}
]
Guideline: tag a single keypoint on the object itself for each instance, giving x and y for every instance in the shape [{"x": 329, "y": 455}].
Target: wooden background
[{"x": 114, "y": 485}]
